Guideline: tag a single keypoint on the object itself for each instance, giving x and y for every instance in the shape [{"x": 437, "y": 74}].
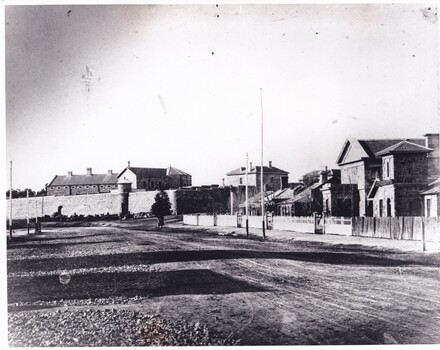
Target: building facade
[
  {"x": 70, "y": 184},
  {"x": 385, "y": 177},
  {"x": 431, "y": 199},
  {"x": 273, "y": 178},
  {"x": 155, "y": 178}
]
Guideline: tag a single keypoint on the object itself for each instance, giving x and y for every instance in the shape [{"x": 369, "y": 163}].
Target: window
[
  {"x": 428, "y": 207},
  {"x": 380, "y": 207},
  {"x": 271, "y": 179},
  {"x": 388, "y": 169},
  {"x": 151, "y": 184},
  {"x": 144, "y": 184},
  {"x": 241, "y": 181}
]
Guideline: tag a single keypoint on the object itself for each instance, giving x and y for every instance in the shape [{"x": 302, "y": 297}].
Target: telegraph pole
[
  {"x": 10, "y": 202},
  {"x": 261, "y": 174},
  {"x": 247, "y": 198},
  {"x": 27, "y": 202}
]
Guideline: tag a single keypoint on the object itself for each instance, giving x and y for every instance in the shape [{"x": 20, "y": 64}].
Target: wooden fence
[{"x": 404, "y": 227}]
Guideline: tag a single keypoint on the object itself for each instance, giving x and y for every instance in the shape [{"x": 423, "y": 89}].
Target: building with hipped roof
[
  {"x": 89, "y": 183},
  {"x": 273, "y": 178}
]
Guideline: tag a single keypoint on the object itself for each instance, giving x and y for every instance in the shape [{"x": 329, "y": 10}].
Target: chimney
[
  {"x": 270, "y": 164},
  {"x": 110, "y": 172},
  {"x": 250, "y": 166},
  {"x": 89, "y": 171},
  {"x": 69, "y": 173},
  {"x": 128, "y": 164},
  {"x": 323, "y": 176},
  {"x": 223, "y": 182}
]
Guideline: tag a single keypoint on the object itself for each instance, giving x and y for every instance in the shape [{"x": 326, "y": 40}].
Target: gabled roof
[
  {"x": 174, "y": 171},
  {"x": 154, "y": 172},
  {"x": 257, "y": 169},
  {"x": 373, "y": 190},
  {"x": 146, "y": 172},
  {"x": 355, "y": 150},
  {"x": 404, "y": 146},
  {"x": 78, "y": 180}
]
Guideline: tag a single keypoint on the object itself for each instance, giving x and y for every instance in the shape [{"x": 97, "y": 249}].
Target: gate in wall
[
  {"x": 319, "y": 223},
  {"x": 269, "y": 221}
]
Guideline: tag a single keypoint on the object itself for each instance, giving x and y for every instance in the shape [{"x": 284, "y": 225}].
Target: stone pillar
[{"x": 124, "y": 188}]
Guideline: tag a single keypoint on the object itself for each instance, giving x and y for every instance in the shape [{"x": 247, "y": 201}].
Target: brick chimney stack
[
  {"x": 110, "y": 172},
  {"x": 89, "y": 171},
  {"x": 69, "y": 173},
  {"x": 270, "y": 164}
]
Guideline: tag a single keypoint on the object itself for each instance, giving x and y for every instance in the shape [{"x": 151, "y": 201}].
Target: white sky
[{"x": 180, "y": 85}]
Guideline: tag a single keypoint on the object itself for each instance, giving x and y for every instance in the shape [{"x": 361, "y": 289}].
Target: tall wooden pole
[
  {"x": 10, "y": 202},
  {"x": 232, "y": 200},
  {"x": 261, "y": 173},
  {"x": 27, "y": 202},
  {"x": 247, "y": 197}
]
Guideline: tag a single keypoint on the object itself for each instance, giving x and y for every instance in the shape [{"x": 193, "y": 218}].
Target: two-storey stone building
[
  {"x": 155, "y": 178},
  {"x": 385, "y": 176},
  {"x": 70, "y": 184},
  {"x": 273, "y": 178}
]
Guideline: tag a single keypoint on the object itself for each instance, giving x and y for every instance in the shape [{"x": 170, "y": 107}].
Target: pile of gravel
[{"x": 106, "y": 327}]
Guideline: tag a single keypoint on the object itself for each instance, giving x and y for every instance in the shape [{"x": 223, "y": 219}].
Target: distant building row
[{"x": 141, "y": 178}]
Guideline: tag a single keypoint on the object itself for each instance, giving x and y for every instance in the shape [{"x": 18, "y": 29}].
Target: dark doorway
[{"x": 388, "y": 207}]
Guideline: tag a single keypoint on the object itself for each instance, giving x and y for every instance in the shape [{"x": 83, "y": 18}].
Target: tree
[
  {"x": 161, "y": 207},
  {"x": 18, "y": 193}
]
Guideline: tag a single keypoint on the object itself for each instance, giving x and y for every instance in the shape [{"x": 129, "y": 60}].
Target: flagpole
[
  {"x": 247, "y": 197},
  {"x": 261, "y": 174}
]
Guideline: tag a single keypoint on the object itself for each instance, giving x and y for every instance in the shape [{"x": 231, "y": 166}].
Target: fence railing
[{"x": 397, "y": 228}]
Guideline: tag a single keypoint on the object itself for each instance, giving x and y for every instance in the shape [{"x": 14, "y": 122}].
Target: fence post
[
  {"x": 323, "y": 223},
  {"x": 423, "y": 236}
]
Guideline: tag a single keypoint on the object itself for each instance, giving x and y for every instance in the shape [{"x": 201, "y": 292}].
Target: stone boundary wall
[{"x": 90, "y": 204}]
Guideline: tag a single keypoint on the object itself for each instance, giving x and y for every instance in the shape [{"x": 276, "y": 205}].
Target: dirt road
[{"x": 263, "y": 292}]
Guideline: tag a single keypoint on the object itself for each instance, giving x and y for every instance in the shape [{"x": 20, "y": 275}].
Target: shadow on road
[
  {"x": 126, "y": 284},
  {"x": 91, "y": 261}
]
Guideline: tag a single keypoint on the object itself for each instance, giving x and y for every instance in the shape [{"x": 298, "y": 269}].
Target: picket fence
[{"x": 397, "y": 228}]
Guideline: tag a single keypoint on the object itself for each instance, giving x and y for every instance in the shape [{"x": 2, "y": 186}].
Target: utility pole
[
  {"x": 261, "y": 173},
  {"x": 232, "y": 199},
  {"x": 10, "y": 202},
  {"x": 247, "y": 198},
  {"x": 27, "y": 202}
]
